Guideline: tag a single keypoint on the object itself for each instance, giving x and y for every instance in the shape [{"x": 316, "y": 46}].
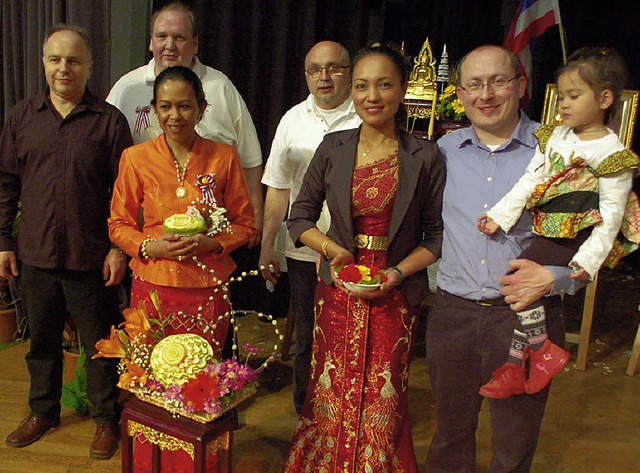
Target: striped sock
[{"x": 533, "y": 324}]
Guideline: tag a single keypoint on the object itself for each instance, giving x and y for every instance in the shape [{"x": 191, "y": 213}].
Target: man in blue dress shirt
[{"x": 480, "y": 281}]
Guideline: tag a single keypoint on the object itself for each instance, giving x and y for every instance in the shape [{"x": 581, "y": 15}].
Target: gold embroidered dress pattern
[{"x": 355, "y": 417}]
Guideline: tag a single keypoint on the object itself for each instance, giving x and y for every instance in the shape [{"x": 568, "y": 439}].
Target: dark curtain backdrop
[
  {"x": 261, "y": 46},
  {"x": 465, "y": 25},
  {"x": 22, "y": 27}
]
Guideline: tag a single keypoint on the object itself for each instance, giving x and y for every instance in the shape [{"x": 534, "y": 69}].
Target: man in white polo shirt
[{"x": 328, "y": 108}]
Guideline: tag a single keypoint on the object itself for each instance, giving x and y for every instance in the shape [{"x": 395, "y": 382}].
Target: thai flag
[{"x": 533, "y": 18}]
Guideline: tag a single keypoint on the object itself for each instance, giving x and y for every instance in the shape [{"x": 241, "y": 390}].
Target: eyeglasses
[
  {"x": 475, "y": 88},
  {"x": 332, "y": 70}
]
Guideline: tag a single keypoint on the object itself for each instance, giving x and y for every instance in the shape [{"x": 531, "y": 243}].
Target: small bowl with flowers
[{"x": 360, "y": 278}]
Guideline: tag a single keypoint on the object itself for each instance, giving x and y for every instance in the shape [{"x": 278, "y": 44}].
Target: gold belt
[{"x": 371, "y": 242}]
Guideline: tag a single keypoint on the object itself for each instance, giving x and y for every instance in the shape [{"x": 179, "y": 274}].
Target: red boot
[
  {"x": 507, "y": 380},
  {"x": 544, "y": 364}
]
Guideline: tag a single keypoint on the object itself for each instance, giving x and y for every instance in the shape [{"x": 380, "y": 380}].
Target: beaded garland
[{"x": 224, "y": 286}]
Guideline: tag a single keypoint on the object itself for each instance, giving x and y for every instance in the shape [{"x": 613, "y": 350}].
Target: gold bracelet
[
  {"x": 325, "y": 244},
  {"x": 143, "y": 248}
]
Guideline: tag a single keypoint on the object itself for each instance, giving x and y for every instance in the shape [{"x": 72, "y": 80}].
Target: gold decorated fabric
[
  {"x": 375, "y": 186},
  {"x": 543, "y": 133},
  {"x": 355, "y": 418},
  {"x": 629, "y": 236},
  {"x": 567, "y": 225},
  {"x": 561, "y": 224},
  {"x": 618, "y": 161}
]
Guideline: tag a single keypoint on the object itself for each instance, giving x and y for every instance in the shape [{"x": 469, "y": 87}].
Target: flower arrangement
[
  {"x": 176, "y": 372},
  {"x": 215, "y": 219},
  {"x": 359, "y": 274},
  {"x": 449, "y": 105}
]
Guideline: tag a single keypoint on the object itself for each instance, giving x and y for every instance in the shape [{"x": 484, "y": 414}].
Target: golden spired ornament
[{"x": 181, "y": 174}]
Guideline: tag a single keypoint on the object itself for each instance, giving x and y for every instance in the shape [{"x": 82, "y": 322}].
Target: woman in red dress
[{"x": 384, "y": 189}]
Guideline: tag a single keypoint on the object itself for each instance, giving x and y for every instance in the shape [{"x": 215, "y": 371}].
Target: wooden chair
[
  {"x": 624, "y": 125},
  {"x": 635, "y": 355}
]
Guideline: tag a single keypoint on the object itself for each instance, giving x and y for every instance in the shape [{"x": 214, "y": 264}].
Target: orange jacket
[{"x": 147, "y": 180}]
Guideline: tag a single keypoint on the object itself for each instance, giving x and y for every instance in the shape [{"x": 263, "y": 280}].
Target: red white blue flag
[{"x": 532, "y": 18}]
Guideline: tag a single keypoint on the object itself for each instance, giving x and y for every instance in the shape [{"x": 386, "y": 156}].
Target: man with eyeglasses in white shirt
[
  {"x": 471, "y": 322},
  {"x": 328, "y": 108}
]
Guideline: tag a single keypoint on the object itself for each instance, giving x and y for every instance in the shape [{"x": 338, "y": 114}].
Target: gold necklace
[
  {"x": 365, "y": 153},
  {"x": 181, "y": 174}
]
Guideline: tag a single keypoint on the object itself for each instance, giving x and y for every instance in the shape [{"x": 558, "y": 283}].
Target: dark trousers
[
  {"x": 303, "y": 279},
  {"x": 466, "y": 342},
  {"x": 555, "y": 251},
  {"x": 48, "y": 295}
]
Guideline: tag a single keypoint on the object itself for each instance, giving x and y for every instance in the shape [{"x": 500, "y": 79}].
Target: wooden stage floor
[{"x": 591, "y": 424}]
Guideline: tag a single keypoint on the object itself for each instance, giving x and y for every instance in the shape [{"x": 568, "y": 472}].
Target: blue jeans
[{"x": 303, "y": 280}]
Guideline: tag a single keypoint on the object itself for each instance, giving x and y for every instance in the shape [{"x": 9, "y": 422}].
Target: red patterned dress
[{"x": 355, "y": 417}]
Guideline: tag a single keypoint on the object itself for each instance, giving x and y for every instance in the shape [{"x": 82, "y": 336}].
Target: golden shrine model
[
  {"x": 422, "y": 82},
  {"x": 422, "y": 90}
]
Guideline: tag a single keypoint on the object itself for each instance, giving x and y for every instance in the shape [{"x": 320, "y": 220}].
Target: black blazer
[{"x": 416, "y": 218}]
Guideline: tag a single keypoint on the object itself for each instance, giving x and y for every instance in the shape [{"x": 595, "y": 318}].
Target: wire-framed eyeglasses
[
  {"x": 332, "y": 70},
  {"x": 475, "y": 88}
]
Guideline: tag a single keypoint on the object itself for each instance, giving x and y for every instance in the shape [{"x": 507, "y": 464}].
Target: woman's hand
[
  {"x": 393, "y": 279},
  {"x": 202, "y": 243},
  {"x": 178, "y": 248},
  {"x": 342, "y": 258}
]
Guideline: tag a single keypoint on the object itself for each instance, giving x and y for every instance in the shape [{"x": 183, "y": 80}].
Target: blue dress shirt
[{"x": 477, "y": 178}]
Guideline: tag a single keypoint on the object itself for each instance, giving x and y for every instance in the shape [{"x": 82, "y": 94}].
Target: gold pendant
[{"x": 181, "y": 192}]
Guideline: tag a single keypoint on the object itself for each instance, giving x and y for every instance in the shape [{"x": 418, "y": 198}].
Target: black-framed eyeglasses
[
  {"x": 332, "y": 70},
  {"x": 475, "y": 88}
]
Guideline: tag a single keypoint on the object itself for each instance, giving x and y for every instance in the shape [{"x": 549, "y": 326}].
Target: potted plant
[
  {"x": 8, "y": 317},
  {"x": 13, "y": 322},
  {"x": 74, "y": 375},
  {"x": 450, "y": 111},
  {"x": 71, "y": 350}
]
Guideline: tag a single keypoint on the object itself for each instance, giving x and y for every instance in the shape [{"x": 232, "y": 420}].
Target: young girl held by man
[{"x": 578, "y": 188}]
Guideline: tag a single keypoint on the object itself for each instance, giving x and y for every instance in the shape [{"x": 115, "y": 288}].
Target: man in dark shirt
[{"x": 59, "y": 155}]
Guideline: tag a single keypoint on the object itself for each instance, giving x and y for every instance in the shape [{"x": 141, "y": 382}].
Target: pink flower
[
  {"x": 189, "y": 407},
  {"x": 154, "y": 386},
  {"x": 172, "y": 392},
  {"x": 234, "y": 382},
  {"x": 247, "y": 374},
  {"x": 213, "y": 406},
  {"x": 251, "y": 349}
]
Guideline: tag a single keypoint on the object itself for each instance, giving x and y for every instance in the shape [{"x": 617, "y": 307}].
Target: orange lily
[
  {"x": 110, "y": 347},
  {"x": 136, "y": 321},
  {"x": 135, "y": 374}
]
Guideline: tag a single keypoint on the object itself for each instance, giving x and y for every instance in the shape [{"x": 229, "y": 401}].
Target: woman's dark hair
[
  {"x": 603, "y": 69},
  {"x": 180, "y": 73},
  {"x": 392, "y": 52}
]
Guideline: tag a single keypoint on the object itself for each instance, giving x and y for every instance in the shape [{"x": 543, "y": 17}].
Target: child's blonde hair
[{"x": 603, "y": 69}]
